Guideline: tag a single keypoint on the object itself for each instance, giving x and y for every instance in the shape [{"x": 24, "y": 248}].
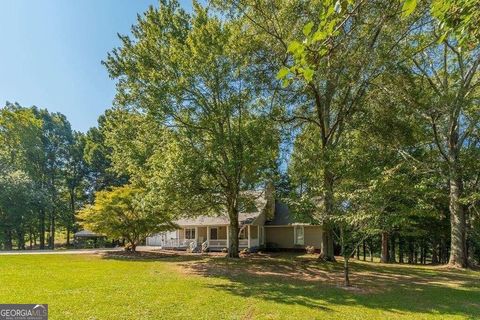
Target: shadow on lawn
[
  {"x": 291, "y": 279},
  {"x": 152, "y": 256}
]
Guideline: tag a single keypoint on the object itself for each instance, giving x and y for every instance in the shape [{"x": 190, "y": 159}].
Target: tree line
[
  {"x": 363, "y": 114},
  {"x": 48, "y": 171}
]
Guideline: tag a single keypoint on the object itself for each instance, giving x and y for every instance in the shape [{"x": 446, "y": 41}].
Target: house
[{"x": 266, "y": 224}]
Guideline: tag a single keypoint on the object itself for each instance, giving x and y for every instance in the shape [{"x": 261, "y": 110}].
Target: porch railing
[{"x": 217, "y": 243}]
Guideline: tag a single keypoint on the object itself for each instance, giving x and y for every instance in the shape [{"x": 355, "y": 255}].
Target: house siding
[
  {"x": 222, "y": 232},
  {"x": 254, "y": 232},
  {"x": 283, "y": 237},
  {"x": 313, "y": 236}
]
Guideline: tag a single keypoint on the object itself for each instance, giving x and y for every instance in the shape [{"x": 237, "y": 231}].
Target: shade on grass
[{"x": 279, "y": 287}]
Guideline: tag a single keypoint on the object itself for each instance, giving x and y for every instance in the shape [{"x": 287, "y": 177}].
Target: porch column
[
  {"x": 228, "y": 238},
  {"x": 258, "y": 235},
  {"x": 208, "y": 234},
  {"x": 248, "y": 229},
  {"x": 196, "y": 234}
]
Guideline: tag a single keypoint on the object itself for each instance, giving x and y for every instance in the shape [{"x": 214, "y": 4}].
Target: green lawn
[{"x": 283, "y": 286}]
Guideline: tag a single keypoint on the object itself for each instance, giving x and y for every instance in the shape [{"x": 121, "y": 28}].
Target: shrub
[{"x": 310, "y": 249}]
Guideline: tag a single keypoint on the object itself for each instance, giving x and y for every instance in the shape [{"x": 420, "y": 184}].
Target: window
[
  {"x": 190, "y": 233},
  {"x": 299, "y": 235},
  {"x": 213, "y": 233}
]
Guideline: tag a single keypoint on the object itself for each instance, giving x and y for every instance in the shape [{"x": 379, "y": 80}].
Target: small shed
[{"x": 88, "y": 239}]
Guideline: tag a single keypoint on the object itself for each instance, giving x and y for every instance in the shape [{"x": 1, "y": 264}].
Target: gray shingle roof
[
  {"x": 243, "y": 218},
  {"x": 259, "y": 201},
  {"x": 88, "y": 234},
  {"x": 283, "y": 216}
]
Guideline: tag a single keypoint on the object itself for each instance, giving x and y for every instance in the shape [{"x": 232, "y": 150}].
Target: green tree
[
  {"x": 192, "y": 75},
  {"x": 76, "y": 171},
  {"x": 57, "y": 137},
  {"x": 97, "y": 155},
  {"x": 326, "y": 54},
  {"x": 122, "y": 213},
  {"x": 17, "y": 199},
  {"x": 441, "y": 83}
]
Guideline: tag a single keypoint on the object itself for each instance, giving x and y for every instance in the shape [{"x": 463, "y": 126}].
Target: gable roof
[
  {"x": 244, "y": 218},
  {"x": 87, "y": 234},
  {"x": 283, "y": 216}
]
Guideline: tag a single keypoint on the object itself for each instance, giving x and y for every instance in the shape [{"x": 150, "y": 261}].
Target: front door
[{"x": 213, "y": 233}]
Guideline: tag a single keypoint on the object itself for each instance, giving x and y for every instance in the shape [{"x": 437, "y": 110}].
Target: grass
[{"x": 285, "y": 286}]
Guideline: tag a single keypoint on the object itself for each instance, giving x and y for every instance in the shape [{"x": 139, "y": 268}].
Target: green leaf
[
  {"x": 408, "y": 7},
  {"x": 308, "y": 74},
  {"x": 294, "y": 46},
  {"x": 282, "y": 73},
  {"x": 285, "y": 83},
  {"x": 319, "y": 35},
  {"x": 442, "y": 37},
  {"x": 308, "y": 28}
]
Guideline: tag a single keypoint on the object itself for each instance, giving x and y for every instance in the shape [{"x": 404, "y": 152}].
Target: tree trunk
[
  {"x": 233, "y": 231},
  {"x": 358, "y": 252},
  {"x": 422, "y": 252},
  {"x": 415, "y": 253},
  {"x": 364, "y": 250},
  {"x": 401, "y": 250},
  {"x": 326, "y": 247},
  {"x": 346, "y": 257},
  {"x": 68, "y": 237},
  {"x": 20, "y": 240},
  {"x": 435, "y": 253},
  {"x": 42, "y": 228},
  {"x": 458, "y": 256},
  {"x": 51, "y": 242},
  {"x": 8, "y": 240},
  {"x": 346, "y": 271},
  {"x": 392, "y": 255},
  {"x": 370, "y": 250},
  {"x": 72, "y": 208},
  {"x": 410, "y": 251},
  {"x": 384, "y": 254}
]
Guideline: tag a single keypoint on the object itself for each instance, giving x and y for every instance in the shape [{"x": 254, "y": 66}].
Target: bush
[{"x": 310, "y": 249}]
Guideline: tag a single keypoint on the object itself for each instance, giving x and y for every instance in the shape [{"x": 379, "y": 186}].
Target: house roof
[
  {"x": 88, "y": 234},
  {"x": 259, "y": 203},
  {"x": 283, "y": 216},
  {"x": 243, "y": 218}
]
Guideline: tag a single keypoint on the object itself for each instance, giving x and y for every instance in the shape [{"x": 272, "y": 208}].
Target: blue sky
[{"x": 51, "y": 50}]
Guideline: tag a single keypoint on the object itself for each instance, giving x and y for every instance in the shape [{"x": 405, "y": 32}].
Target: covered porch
[{"x": 215, "y": 237}]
